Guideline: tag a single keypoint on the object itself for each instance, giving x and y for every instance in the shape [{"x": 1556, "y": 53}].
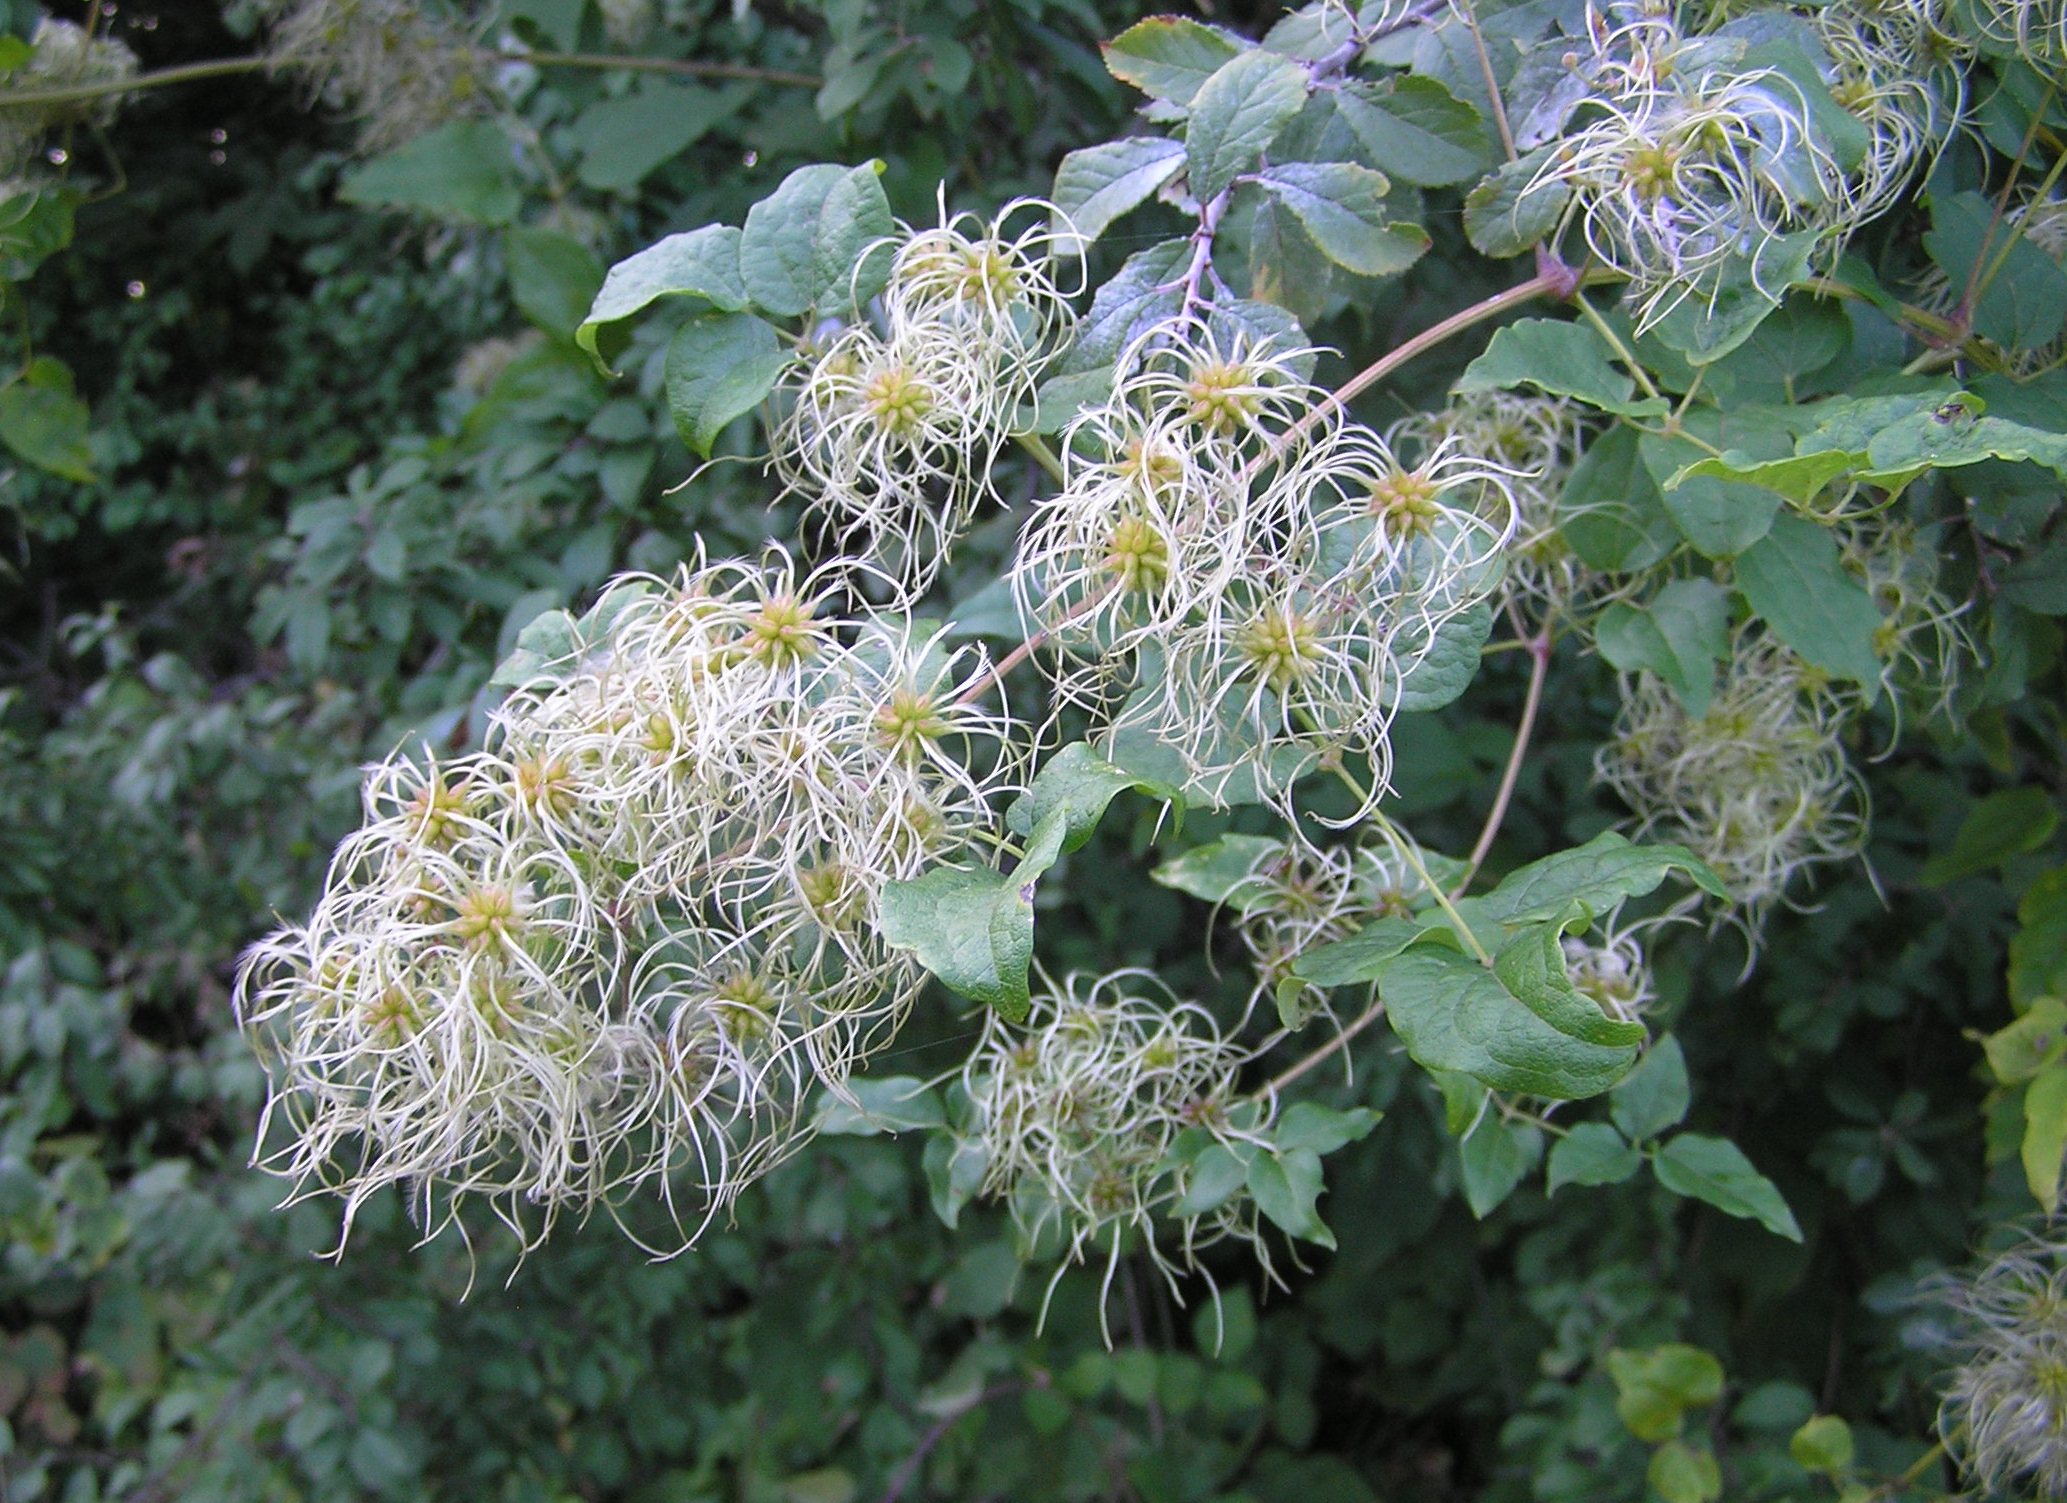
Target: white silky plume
[
  {"x": 1077, "y": 1114},
  {"x": 619, "y": 949},
  {"x": 1759, "y": 785},
  {"x": 1239, "y": 571},
  {"x": 893, "y": 426}
]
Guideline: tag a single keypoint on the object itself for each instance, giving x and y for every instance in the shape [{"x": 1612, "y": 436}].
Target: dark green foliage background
[{"x": 309, "y": 540}]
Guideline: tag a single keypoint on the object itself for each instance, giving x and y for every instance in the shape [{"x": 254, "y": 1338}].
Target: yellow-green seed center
[{"x": 897, "y": 400}]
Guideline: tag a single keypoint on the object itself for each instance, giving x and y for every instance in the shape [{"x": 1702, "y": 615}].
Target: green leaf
[
  {"x": 1496, "y": 1156},
  {"x": 2038, "y": 950},
  {"x": 973, "y": 927},
  {"x": 48, "y": 428},
  {"x": 1776, "y": 1404},
  {"x": 701, "y": 263},
  {"x": 719, "y": 366},
  {"x": 1415, "y": 130},
  {"x": 1560, "y": 358},
  {"x": 1141, "y": 293},
  {"x": 1170, "y": 57},
  {"x": 1710, "y": 324},
  {"x": 379, "y": 1460},
  {"x": 1442, "y": 669},
  {"x": 1342, "y": 206},
  {"x": 1235, "y": 116},
  {"x": 1800, "y": 478},
  {"x": 1532, "y": 967},
  {"x": 553, "y": 278},
  {"x": 1285, "y": 266},
  {"x": 1655, "y": 1388},
  {"x": 1680, "y": 1473},
  {"x": 2044, "y": 1143},
  {"x": 1680, "y": 636},
  {"x": 1592, "y": 1153},
  {"x": 1363, "y": 956},
  {"x": 1287, "y": 1189},
  {"x": 1715, "y": 1170},
  {"x": 1078, "y": 784},
  {"x": 1823, "y": 1445},
  {"x": 558, "y": 21},
  {"x": 1597, "y": 876},
  {"x": 1220, "y": 871},
  {"x": 1685, "y": 1374},
  {"x": 1098, "y": 184},
  {"x": 2001, "y": 826},
  {"x": 1721, "y": 518},
  {"x": 1802, "y": 337},
  {"x": 1949, "y": 436},
  {"x": 1611, "y": 511},
  {"x": 2038, "y": 581},
  {"x": 827, "y": 1484},
  {"x": 954, "y": 1173},
  {"x": 2018, "y": 1052},
  {"x": 1793, "y": 579},
  {"x": 1323, "y": 1129},
  {"x": 463, "y": 170},
  {"x": 1454, "y": 1014},
  {"x": 1515, "y": 206},
  {"x": 802, "y": 244},
  {"x": 622, "y": 141},
  {"x": 34, "y": 225},
  {"x": 890, "y": 1103},
  {"x": 1216, "y": 1175},
  {"x": 1655, "y": 1095}
]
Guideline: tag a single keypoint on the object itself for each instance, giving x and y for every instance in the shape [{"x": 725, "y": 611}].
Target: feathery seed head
[
  {"x": 1079, "y": 1115},
  {"x": 2004, "y": 1410},
  {"x": 1759, "y": 786}
]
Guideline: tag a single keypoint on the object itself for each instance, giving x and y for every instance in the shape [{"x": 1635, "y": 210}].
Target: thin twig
[
  {"x": 935, "y": 1433},
  {"x": 1326, "y": 1051},
  {"x": 1492, "y": 81},
  {"x": 1539, "y": 669},
  {"x": 78, "y": 93},
  {"x": 1964, "y": 312},
  {"x": 1464, "y": 318},
  {"x": 1043, "y": 456},
  {"x": 1027, "y": 648},
  {"x": 229, "y": 67}
]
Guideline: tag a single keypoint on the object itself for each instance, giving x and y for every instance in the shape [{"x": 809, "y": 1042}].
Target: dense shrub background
[{"x": 342, "y": 457}]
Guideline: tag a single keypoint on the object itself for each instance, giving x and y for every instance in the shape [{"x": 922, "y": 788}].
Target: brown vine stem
[
  {"x": 1543, "y": 284},
  {"x": 1964, "y": 313},
  {"x": 938, "y": 1430},
  {"x": 1469, "y": 15},
  {"x": 1027, "y": 648},
  {"x": 1539, "y": 647},
  {"x": 229, "y": 67},
  {"x": 1326, "y": 1051},
  {"x": 77, "y": 93}
]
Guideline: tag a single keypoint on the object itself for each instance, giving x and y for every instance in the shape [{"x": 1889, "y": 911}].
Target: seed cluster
[
  {"x": 1686, "y": 162},
  {"x": 1239, "y": 571},
  {"x": 398, "y": 67},
  {"x": 2004, "y": 1413},
  {"x": 62, "y": 55},
  {"x": 1759, "y": 786},
  {"x": 1077, "y": 1114},
  {"x": 1535, "y": 440},
  {"x": 623, "y": 945},
  {"x": 893, "y": 428}
]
